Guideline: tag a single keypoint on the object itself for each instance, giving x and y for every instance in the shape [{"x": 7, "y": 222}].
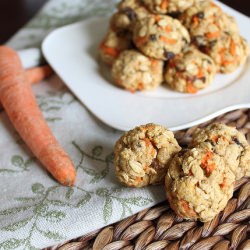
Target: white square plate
[{"x": 73, "y": 53}]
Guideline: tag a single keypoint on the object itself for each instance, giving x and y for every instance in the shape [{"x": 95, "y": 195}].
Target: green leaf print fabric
[{"x": 35, "y": 211}]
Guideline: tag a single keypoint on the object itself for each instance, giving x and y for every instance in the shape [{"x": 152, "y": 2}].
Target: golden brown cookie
[
  {"x": 229, "y": 51},
  {"x": 134, "y": 71},
  {"x": 142, "y": 155},
  {"x": 113, "y": 44},
  {"x": 167, "y": 6},
  {"x": 198, "y": 184},
  {"x": 206, "y": 22},
  {"x": 128, "y": 13},
  {"x": 160, "y": 37},
  {"x": 227, "y": 142},
  {"x": 190, "y": 71}
]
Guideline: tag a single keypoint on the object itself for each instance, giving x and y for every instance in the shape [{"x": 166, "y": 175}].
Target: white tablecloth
[{"x": 35, "y": 211}]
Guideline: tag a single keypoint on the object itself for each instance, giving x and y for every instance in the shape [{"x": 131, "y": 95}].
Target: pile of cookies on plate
[
  {"x": 199, "y": 180},
  {"x": 181, "y": 43}
]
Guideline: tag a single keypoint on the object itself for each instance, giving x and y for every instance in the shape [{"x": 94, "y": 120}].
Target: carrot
[
  {"x": 188, "y": 210},
  {"x": 168, "y": 40},
  {"x": 141, "y": 86},
  {"x": 157, "y": 18},
  {"x": 211, "y": 35},
  {"x": 141, "y": 40},
  {"x": 232, "y": 47},
  {"x": 22, "y": 109},
  {"x": 36, "y": 74},
  {"x": 109, "y": 51},
  {"x": 205, "y": 165},
  {"x": 168, "y": 28},
  {"x": 164, "y": 4},
  {"x": 195, "y": 20},
  {"x": 200, "y": 73},
  {"x": 191, "y": 89}
]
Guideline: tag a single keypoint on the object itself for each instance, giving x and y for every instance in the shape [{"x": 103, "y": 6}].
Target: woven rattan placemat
[{"x": 159, "y": 228}]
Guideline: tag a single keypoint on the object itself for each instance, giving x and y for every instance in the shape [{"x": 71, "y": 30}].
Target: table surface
[{"x": 15, "y": 13}]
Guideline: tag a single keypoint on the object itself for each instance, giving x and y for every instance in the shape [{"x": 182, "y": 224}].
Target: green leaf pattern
[{"x": 45, "y": 207}]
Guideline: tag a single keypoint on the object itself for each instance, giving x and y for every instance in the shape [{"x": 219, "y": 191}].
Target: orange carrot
[
  {"x": 164, "y": 4},
  {"x": 191, "y": 89},
  {"x": 36, "y": 74},
  {"x": 195, "y": 20},
  {"x": 232, "y": 47},
  {"x": 200, "y": 73},
  {"x": 168, "y": 28},
  {"x": 22, "y": 109},
  {"x": 109, "y": 50},
  {"x": 188, "y": 210},
  {"x": 141, "y": 40},
  {"x": 211, "y": 35},
  {"x": 168, "y": 40}
]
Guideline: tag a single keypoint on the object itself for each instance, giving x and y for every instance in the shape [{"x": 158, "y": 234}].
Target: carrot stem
[{"x": 21, "y": 107}]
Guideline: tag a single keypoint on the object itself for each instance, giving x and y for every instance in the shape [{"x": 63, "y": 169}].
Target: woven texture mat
[{"x": 159, "y": 228}]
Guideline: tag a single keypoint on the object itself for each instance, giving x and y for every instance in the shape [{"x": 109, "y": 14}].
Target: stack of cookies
[
  {"x": 199, "y": 180},
  {"x": 180, "y": 43}
]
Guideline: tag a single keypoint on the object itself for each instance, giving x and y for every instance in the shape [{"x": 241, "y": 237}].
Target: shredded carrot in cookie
[
  {"x": 195, "y": 20},
  {"x": 211, "y": 35},
  {"x": 232, "y": 48},
  {"x": 109, "y": 51},
  {"x": 168, "y": 28},
  {"x": 188, "y": 211},
  {"x": 191, "y": 89},
  {"x": 200, "y": 73},
  {"x": 209, "y": 168},
  {"x": 168, "y": 40},
  {"x": 164, "y": 4},
  {"x": 141, "y": 40}
]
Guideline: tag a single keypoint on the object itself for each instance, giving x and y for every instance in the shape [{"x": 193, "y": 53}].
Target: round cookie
[
  {"x": 198, "y": 184},
  {"x": 142, "y": 155},
  {"x": 190, "y": 71},
  {"x": 160, "y": 37},
  {"x": 167, "y": 6},
  {"x": 128, "y": 13},
  {"x": 227, "y": 142},
  {"x": 134, "y": 71},
  {"x": 112, "y": 45},
  {"x": 206, "y": 22},
  {"x": 228, "y": 52}
]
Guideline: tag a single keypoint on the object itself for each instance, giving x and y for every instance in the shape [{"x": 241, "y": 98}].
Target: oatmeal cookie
[
  {"x": 113, "y": 44},
  {"x": 227, "y": 142},
  {"x": 128, "y": 13},
  {"x": 160, "y": 37},
  {"x": 190, "y": 71},
  {"x": 142, "y": 155},
  {"x": 198, "y": 184},
  {"x": 134, "y": 71},
  {"x": 228, "y": 52},
  {"x": 167, "y": 6},
  {"x": 206, "y": 22}
]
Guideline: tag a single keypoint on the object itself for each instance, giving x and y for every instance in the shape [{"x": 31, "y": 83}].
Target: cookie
[
  {"x": 206, "y": 22},
  {"x": 134, "y": 71},
  {"x": 190, "y": 71},
  {"x": 113, "y": 44},
  {"x": 128, "y": 13},
  {"x": 228, "y": 52},
  {"x": 142, "y": 155},
  {"x": 167, "y": 6},
  {"x": 227, "y": 142},
  {"x": 198, "y": 184},
  {"x": 160, "y": 37}
]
